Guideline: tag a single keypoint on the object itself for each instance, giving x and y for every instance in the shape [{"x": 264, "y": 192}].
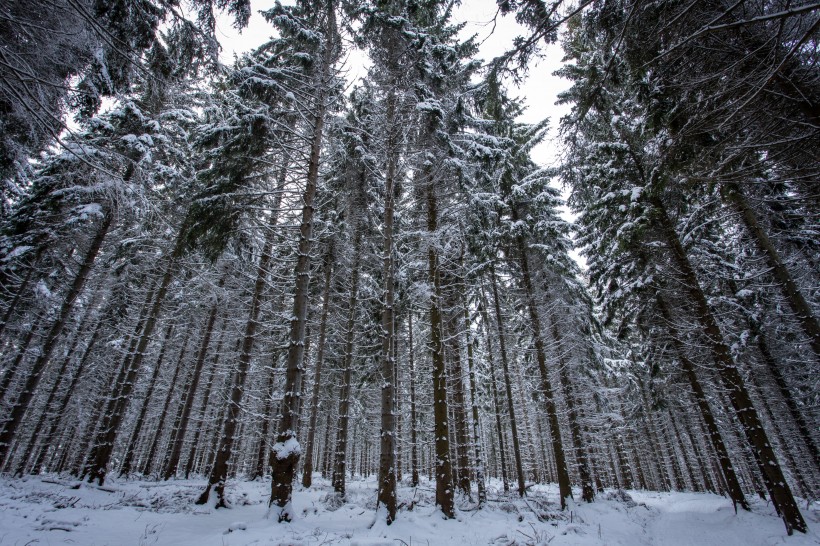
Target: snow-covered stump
[{"x": 284, "y": 459}]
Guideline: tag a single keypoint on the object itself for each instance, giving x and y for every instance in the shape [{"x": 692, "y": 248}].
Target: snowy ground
[{"x": 52, "y": 510}]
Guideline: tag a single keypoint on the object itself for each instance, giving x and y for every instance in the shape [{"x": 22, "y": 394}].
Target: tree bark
[
  {"x": 479, "y": 461},
  {"x": 732, "y": 381},
  {"x": 414, "y": 446},
  {"x": 12, "y": 370},
  {"x": 55, "y": 422},
  {"x": 458, "y": 397},
  {"x": 502, "y": 454},
  {"x": 118, "y": 403},
  {"x": 287, "y": 451},
  {"x": 219, "y": 472},
  {"x": 387, "y": 435},
  {"x": 307, "y": 471},
  {"x": 587, "y": 489},
  {"x": 803, "y": 427},
  {"x": 18, "y": 296},
  {"x": 203, "y": 405},
  {"x": 502, "y": 345},
  {"x": 340, "y": 458},
  {"x": 182, "y": 427},
  {"x": 791, "y": 292},
  {"x": 564, "y": 487},
  {"x": 441, "y": 429},
  {"x": 169, "y": 396},
  {"x": 128, "y": 458},
  {"x": 728, "y": 471},
  {"x": 29, "y": 451},
  {"x": 20, "y": 406}
]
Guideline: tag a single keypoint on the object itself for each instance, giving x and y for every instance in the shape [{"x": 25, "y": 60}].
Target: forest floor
[{"x": 54, "y": 510}]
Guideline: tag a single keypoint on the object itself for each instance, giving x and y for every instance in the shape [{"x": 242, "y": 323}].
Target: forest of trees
[{"x": 264, "y": 271}]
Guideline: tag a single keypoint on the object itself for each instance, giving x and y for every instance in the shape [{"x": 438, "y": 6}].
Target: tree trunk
[
  {"x": 502, "y": 345},
  {"x": 502, "y": 454},
  {"x": 18, "y": 295},
  {"x": 340, "y": 458},
  {"x": 286, "y": 452},
  {"x": 587, "y": 490},
  {"x": 441, "y": 430},
  {"x": 219, "y": 471},
  {"x": 564, "y": 487},
  {"x": 262, "y": 452},
  {"x": 12, "y": 370},
  {"x": 387, "y": 435},
  {"x": 414, "y": 446},
  {"x": 55, "y": 422},
  {"x": 728, "y": 471},
  {"x": 800, "y": 307},
  {"x": 31, "y": 445},
  {"x": 479, "y": 462},
  {"x": 307, "y": 472},
  {"x": 182, "y": 427},
  {"x": 81, "y": 458},
  {"x": 803, "y": 428},
  {"x": 118, "y": 403},
  {"x": 160, "y": 428},
  {"x": 128, "y": 459},
  {"x": 20, "y": 406},
  {"x": 203, "y": 405},
  {"x": 462, "y": 435},
  {"x": 533, "y": 464},
  {"x": 732, "y": 381}
]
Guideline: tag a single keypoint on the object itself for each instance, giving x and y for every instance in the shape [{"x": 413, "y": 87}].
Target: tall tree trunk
[
  {"x": 261, "y": 453},
  {"x": 387, "y": 434},
  {"x": 287, "y": 451},
  {"x": 732, "y": 381},
  {"x": 587, "y": 490},
  {"x": 564, "y": 487},
  {"x": 307, "y": 472},
  {"x": 50, "y": 435},
  {"x": 327, "y": 445},
  {"x": 702, "y": 459},
  {"x": 502, "y": 454},
  {"x": 340, "y": 458},
  {"x": 479, "y": 461},
  {"x": 20, "y": 406},
  {"x": 620, "y": 452},
  {"x": 203, "y": 405},
  {"x": 18, "y": 295},
  {"x": 441, "y": 429},
  {"x": 414, "y": 445},
  {"x": 80, "y": 459},
  {"x": 118, "y": 403},
  {"x": 726, "y": 467},
  {"x": 803, "y": 428},
  {"x": 534, "y": 466},
  {"x": 800, "y": 307},
  {"x": 459, "y": 398},
  {"x": 182, "y": 427},
  {"x": 29, "y": 451},
  {"x": 169, "y": 396},
  {"x": 505, "y": 367},
  {"x": 219, "y": 471},
  {"x": 397, "y": 408},
  {"x": 128, "y": 458},
  {"x": 15, "y": 367}
]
